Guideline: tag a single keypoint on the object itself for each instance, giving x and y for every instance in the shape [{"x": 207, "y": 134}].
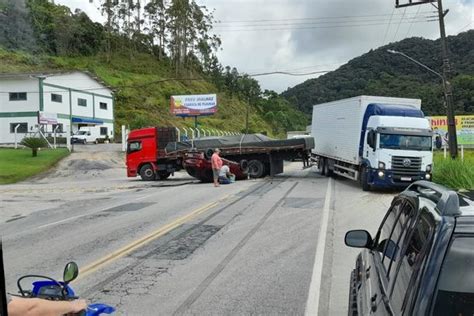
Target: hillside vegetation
[
  {"x": 145, "y": 54},
  {"x": 381, "y": 73}
]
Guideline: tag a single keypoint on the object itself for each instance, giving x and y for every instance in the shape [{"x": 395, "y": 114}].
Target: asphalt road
[{"x": 270, "y": 246}]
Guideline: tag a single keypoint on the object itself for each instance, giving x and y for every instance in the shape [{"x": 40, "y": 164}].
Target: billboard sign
[
  {"x": 464, "y": 128},
  {"x": 46, "y": 118},
  {"x": 194, "y": 105}
]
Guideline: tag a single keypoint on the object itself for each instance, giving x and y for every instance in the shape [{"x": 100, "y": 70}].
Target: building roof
[{"x": 26, "y": 75}]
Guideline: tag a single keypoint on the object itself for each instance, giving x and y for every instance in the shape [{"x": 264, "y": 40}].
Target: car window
[
  {"x": 406, "y": 217},
  {"x": 455, "y": 294},
  {"x": 134, "y": 146},
  {"x": 386, "y": 228},
  {"x": 412, "y": 262}
]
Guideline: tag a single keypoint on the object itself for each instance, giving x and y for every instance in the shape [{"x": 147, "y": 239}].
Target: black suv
[{"x": 421, "y": 261}]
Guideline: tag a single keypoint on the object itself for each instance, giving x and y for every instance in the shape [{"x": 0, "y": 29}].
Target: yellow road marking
[{"x": 91, "y": 268}]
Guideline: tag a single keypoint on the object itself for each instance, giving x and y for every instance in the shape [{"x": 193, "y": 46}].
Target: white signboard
[
  {"x": 194, "y": 105},
  {"x": 46, "y": 118}
]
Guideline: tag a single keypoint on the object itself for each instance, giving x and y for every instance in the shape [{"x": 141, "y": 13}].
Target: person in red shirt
[{"x": 216, "y": 162}]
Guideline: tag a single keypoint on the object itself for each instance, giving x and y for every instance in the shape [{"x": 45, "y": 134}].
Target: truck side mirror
[{"x": 370, "y": 139}]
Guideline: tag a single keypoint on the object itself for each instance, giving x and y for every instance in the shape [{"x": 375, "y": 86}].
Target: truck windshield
[
  {"x": 393, "y": 141},
  {"x": 81, "y": 133},
  {"x": 456, "y": 283}
]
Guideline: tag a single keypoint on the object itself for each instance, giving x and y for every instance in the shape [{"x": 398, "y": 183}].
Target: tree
[{"x": 34, "y": 143}]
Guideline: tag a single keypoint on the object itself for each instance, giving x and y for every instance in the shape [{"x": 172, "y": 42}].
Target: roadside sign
[
  {"x": 464, "y": 128},
  {"x": 46, "y": 118},
  {"x": 194, "y": 105}
]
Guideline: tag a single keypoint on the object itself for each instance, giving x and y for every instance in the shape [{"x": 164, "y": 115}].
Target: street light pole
[{"x": 448, "y": 97}]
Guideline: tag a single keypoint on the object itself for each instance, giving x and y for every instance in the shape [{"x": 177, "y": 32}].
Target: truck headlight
[
  {"x": 381, "y": 165},
  {"x": 381, "y": 174},
  {"x": 427, "y": 176},
  {"x": 428, "y": 168}
]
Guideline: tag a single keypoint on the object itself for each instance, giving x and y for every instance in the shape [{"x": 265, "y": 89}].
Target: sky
[{"x": 308, "y": 36}]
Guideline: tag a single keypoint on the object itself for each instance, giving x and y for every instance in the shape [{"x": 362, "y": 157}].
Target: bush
[
  {"x": 456, "y": 174},
  {"x": 34, "y": 143}
]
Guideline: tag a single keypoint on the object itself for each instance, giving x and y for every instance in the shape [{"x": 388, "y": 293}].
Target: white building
[{"x": 75, "y": 98}]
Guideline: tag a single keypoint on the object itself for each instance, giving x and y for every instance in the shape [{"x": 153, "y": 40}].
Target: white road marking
[{"x": 312, "y": 304}]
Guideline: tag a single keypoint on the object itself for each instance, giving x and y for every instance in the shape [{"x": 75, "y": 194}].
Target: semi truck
[
  {"x": 378, "y": 141},
  {"x": 155, "y": 153}
]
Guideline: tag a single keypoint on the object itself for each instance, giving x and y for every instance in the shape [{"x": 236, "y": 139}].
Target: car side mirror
[
  {"x": 71, "y": 271},
  {"x": 88, "y": 133},
  {"x": 358, "y": 239}
]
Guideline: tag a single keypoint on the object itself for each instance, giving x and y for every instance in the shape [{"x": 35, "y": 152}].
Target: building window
[
  {"x": 17, "y": 96},
  {"x": 60, "y": 128},
  {"x": 103, "y": 131},
  {"x": 103, "y": 105},
  {"x": 56, "y": 98},
  {"x": 23, "y": 128},
  {"x": 81, "y": 102}
]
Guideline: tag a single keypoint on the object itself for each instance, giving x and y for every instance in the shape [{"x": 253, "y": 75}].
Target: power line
[
  {"x": 388, "y": 27},
  {"x": 289, "y": 73},
  {"x": 314, "y": 18},
  {"x": 312, "y": 27},
  {"x": 318, "y": 23},
  {"x": 411, "y": 24},
  {"x": 399, "y": 23}
]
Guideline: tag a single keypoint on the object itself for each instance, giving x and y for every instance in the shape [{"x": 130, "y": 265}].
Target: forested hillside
[
  {"x": 381, "y": 73},
  {"x": 145, "y": 53}
]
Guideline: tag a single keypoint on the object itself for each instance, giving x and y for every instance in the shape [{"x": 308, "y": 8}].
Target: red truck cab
[{"x": 147, "y": 156}]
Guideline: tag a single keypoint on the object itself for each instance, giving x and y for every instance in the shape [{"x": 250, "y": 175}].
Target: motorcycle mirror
[{"x": 71, "y": 271}]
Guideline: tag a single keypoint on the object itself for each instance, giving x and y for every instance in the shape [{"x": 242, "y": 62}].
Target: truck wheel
[
  {"x": 321, "y": 167},
  {"x": 364, "y": 179},
  {"x": 256, "y": 169},
  {"x": 147, "y": 173},
  {"x": 163, "y": 175},
  {"x": 84, "y": 142},
  {"x": 96, "y": 141},
  {"x": 327, "y": 172}
]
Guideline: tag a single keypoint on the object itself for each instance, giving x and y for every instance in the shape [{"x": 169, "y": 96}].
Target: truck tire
[
  {"x": 321, "y": 167},
  {"x": 96, "y": 141},
  {"x": 327, "y": 172},
  {"x": 84, "y": 142},
  {"x": 163, "y": 175},
  {"x": 147, "y": 173},
  {"x": 364, "y": 179},
  {"x": 256, "y": 169}
]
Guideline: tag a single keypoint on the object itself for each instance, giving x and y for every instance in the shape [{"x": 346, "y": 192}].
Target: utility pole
[{"x": 448, "y": 93}]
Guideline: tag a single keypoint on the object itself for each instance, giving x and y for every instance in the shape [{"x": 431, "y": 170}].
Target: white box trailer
[{"x": 340, "y": 130}]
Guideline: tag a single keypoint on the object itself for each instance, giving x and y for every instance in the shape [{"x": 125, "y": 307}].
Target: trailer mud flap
[{"x": 276, "y": 165}]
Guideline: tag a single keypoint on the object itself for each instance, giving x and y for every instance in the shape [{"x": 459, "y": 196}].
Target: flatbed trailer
[{"x": 154, "y": 153}]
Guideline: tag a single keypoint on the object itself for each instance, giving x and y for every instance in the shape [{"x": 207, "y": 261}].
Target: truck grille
[{"x": 406, "y": 166}]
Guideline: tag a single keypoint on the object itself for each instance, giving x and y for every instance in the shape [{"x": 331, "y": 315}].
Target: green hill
[{"x": 381, "y": 73}]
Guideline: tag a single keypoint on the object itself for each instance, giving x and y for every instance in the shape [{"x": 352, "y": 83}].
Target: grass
[
  {"x": 455, "y": 174},
  {"x": 18, "y": 164}
]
